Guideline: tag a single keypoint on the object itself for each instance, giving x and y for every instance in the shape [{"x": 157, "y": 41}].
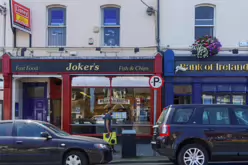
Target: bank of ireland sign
[{"x": 213, "y": 66}]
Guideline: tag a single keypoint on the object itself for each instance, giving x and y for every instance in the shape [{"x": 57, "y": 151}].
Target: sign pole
[
  {"x": 155, "y": 82},
  {"x": 155, "y": 111}
]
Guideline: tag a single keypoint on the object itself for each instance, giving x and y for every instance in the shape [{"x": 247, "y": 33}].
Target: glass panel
[
  {"x": 223, "y": 88},
  {"x": 202, "y": 31},
  {"x": 112, "y": 36},
  {"x": 241, "y": 116},
  {"x": 56, "y": 36},
  {"x": 99, "y": 129},
  {"x": 57, "y": 17},
  {"x": 56, "y": 113},
  {"x": 209, "y": 88},
  {"x": 224, "y": 79},
  {"x": 6, "y": 129},
  {"x": 204, "y": 22},
  {"x": 204, "y": 12},
  {"x": 28, "y": 130},
  {"x": 36, "y": 92},
  {"x": 225, "y": 99},
  {"x": 182, "y": 79},
  {"x": 216, "y": 116},
  {"x": 182, "y": 89},
  {"x": 208, "y": 99},
  {"x": 182, "y": 100},
  {"x": 111, "y": 16},
  {"x": 1, "y": 111},
  {"x": 239, "y": 88},
  {"x": 182, "y": 115},
  {"x": 90, "y": 81},
  {"x": 239, "y": 99},
  {"x": 130, "y": 82},
  {"x": 131, "y": 107}
]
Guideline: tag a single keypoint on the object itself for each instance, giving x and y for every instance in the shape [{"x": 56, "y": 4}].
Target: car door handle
[
  {"x": 19, "y": 142},
  {"x": 209, "y": 129}
]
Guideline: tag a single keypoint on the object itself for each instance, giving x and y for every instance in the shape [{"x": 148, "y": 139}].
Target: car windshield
[{"x": 55, "y": 129}]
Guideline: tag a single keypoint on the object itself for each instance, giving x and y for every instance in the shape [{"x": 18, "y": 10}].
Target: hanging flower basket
[{"x": 206, "y": 46}]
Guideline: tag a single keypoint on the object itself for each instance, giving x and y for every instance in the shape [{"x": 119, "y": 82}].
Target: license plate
[{"x": 153, "y": 142}]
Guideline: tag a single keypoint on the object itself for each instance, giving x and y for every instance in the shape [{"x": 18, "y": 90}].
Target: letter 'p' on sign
[{"x": 156, "y": 82}]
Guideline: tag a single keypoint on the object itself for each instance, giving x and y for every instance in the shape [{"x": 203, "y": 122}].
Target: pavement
[{"x": 145, "y": 156}]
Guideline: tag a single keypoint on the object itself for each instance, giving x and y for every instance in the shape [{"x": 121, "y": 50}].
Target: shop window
[
  {"x": 57, "y": 26},
  {"x": 208, "y": 99},
  {"x": 131, "y": 106},
  {"x": 111, "y": 26},
  {"x": 224, "y": 80},
  {"x": 223, "y": 99},
  {"x": 36, "y": 92},
  {"x": 239, "y": 88},
  {"x": 223, "y": 88},
  {"x": 204, "y": 21},
  {"x": 182, "y": 94},
  {"x": 239, "y": 99},
  {"x": 182, "y": 89},
  {"x": 209, "y": 88}
]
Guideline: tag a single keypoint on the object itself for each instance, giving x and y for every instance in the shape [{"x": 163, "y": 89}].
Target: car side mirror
[{"x": 45, "y": 135}]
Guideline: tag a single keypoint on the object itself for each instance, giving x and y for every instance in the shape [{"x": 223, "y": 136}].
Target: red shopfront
[{"x": 81, "y": 106}]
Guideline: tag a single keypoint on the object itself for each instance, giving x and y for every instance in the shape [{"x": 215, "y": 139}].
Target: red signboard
[{"x": 21, "y": 17}]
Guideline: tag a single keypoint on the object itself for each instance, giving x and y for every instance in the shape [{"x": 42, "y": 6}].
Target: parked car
[
  {"x": 37, "y": 142},
  {"x": 197, "y": 134}
]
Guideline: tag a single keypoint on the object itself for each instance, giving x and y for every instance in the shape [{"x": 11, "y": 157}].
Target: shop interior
[{"x": 129, "y": 97}]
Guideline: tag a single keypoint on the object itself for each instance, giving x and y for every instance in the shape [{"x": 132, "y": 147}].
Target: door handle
[{"x": 19, "y": 142}]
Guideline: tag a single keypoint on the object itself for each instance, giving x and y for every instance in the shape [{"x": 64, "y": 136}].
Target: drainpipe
[{"x": 158, "y": 26}]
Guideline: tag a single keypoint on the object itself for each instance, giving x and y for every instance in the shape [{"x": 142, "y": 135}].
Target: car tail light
[{"x": 165, "y": 130}]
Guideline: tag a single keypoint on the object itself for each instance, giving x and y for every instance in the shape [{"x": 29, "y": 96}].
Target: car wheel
[
  {"x": 193, "y": 154},
  {"x": 75, "y": 158}
]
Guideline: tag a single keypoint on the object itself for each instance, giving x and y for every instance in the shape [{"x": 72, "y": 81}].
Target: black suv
[{"x": 196, "y": 134}]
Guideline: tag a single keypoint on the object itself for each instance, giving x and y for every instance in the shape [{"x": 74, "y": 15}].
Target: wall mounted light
[
  {"x": 23, "y": 50},
  {"x": 61, "y": 49},
  {"x": 136, "y": 50},
  {"x": 98, "y": 48},
  {"x": 235, "y": 51},
  {"x": 194, "y": 51}
]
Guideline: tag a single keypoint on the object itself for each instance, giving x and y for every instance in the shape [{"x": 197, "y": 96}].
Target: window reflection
[{"x": 131, "y": 109}]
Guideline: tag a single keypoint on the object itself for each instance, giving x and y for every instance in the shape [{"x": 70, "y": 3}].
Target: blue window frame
[
  {"x": 57, "y": 26},
  {"x": 111, "y": 26},
  {"x": 204, "y": 21}
]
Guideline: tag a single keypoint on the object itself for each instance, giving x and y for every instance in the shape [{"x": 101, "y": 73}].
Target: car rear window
[
  {"x": 182, "y": 115},
  {"x": 163, "y": 116}
]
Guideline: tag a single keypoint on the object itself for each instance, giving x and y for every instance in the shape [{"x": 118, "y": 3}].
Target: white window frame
[
  {"x": 51, "y": 26},
  {"x": 207, "y": 26},
  {"x": 109, "y": 26}
]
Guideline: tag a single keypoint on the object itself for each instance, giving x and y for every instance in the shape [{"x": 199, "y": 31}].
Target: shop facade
[
  {"x": 74, "y": 93},
  {"x": 215, "y": 80}
]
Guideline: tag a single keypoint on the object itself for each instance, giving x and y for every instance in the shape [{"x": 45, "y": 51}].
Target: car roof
[
  {"x": 206, "y": 105},
  {"x": 19, "y": 120}
]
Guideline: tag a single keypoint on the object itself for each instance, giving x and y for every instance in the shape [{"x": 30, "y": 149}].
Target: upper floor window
[
  {"x": 204, "y": 21},
  {"x": 111, "y": 26},
  {"x": 57, "y": 26}
]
